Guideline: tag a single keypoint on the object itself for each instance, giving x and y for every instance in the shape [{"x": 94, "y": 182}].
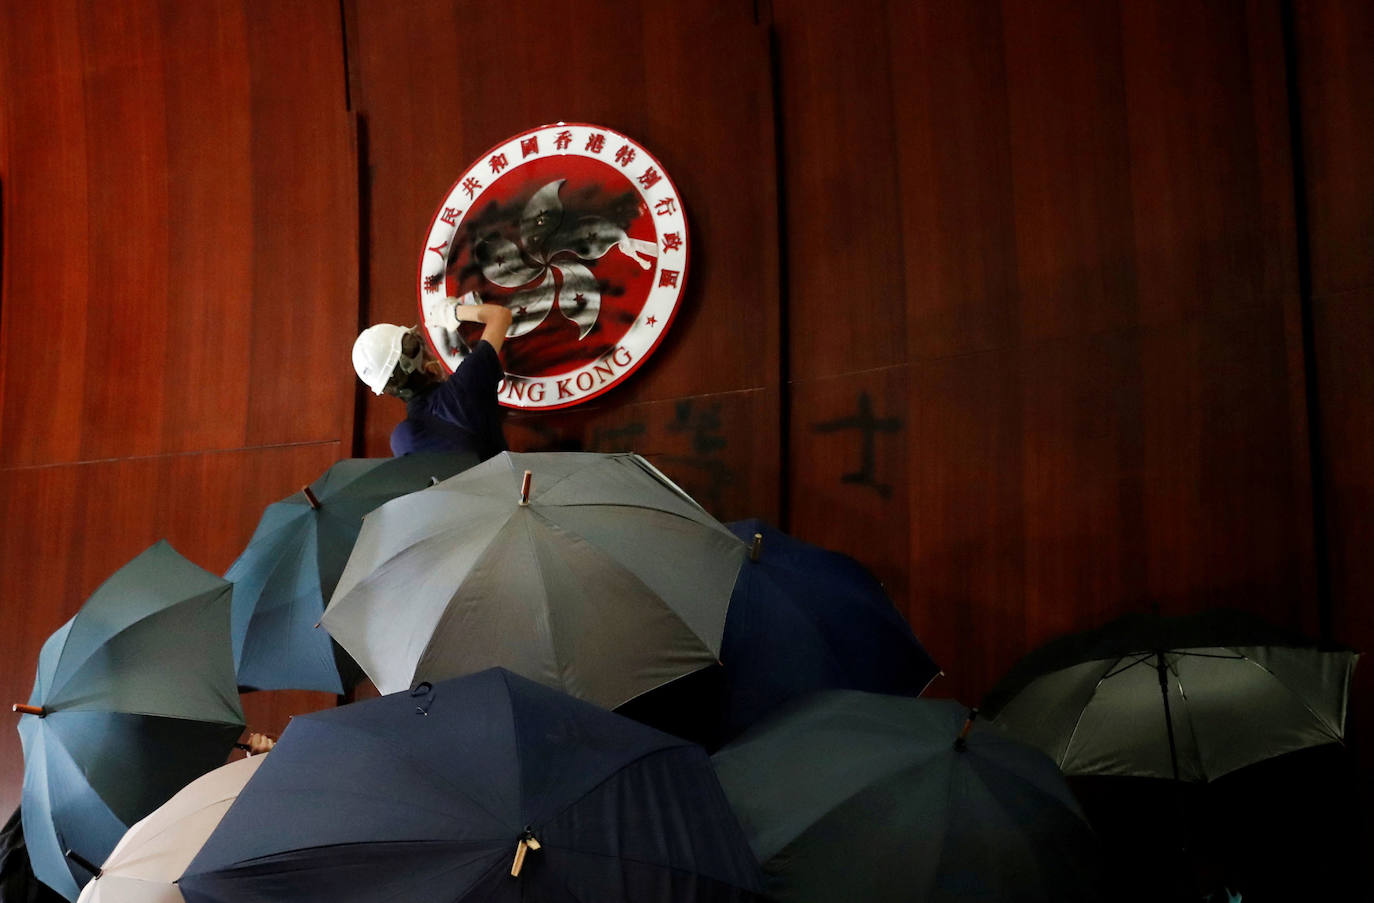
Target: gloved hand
[{"x": 442, "y": 312}]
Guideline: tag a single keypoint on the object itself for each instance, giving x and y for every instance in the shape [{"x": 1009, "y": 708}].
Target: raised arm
[
  {"x": 494, "y": 317},
  {"x": 449, "y": 312}
]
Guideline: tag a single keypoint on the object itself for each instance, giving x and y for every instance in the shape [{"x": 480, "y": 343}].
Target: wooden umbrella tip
[
  {"x": 310, "y": 497},
  {"x": 757, "y": 548},
  {"x": 26, "y": 709},
  {"x": 525, "y": 487}
]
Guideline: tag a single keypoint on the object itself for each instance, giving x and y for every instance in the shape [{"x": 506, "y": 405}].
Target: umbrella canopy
[
  {"x": 293, "y": 562},
  {"x": 134, "y": 698},
  {"x": 856, "y": 796},
  {"x": 487, "y": 787},
  {"x": 154, "y": 852},
  {"x": 1188, "y": 698},
  {"x": 803, "y": 618},
  {"x": 608, "y": 581}
]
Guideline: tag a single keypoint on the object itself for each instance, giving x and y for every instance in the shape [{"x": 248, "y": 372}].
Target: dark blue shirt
[{"x": 460, "y": 414}]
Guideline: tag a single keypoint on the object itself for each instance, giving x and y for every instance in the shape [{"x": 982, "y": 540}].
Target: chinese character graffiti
[{"x": 868, "y": 426}]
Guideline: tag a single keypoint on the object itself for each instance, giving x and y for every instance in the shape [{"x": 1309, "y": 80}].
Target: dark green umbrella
[
  {"x": 134, "y": 698},
  {"x": 858, "y": 796},
  {"x": 1186, "y": 698},
  {"x": 291, "y": 565}
]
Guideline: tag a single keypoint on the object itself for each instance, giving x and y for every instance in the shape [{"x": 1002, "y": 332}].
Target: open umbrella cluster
[{"x": 504, "y": 610}]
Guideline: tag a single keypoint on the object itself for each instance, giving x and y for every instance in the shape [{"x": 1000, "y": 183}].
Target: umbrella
[
  {"x": 134, "y": 698},
  {"x": 294, "y": 560},
  {"x": 485, "y": 787},
  {"x": 858, "y": 796},
  {"x": 803, "y": 618},
  {"x": 154, "y": 852},
  {"x": 1188, "y": 698},
  {"x": 604, "y": 579}
]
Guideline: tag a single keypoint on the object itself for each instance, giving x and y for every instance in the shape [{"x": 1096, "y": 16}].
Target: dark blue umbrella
[
  {"x": 802, "y": 619},
  {"x": 484, "y": 787},
  {"x": 290, "y": 567},
  {"x": 133, "y": 699}
]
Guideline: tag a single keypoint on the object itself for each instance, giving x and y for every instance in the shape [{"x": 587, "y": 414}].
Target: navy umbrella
[
  {"x": 134, "y": 698},
  {"x": 290, "y": 567},
  {"x": 801, "y": 619},
  {"x": 884, "y": 799},
  {"x": 484, "y": 787}
]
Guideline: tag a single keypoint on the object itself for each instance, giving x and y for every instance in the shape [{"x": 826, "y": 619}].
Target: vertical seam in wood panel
[
  {"x": 348, "y": 35},
  {"x": 784, "y": 476},
  {"x": 1287, "y": 26}
]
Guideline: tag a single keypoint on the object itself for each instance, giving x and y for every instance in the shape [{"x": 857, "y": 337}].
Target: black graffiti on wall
[{"x": 868, "y": 426}]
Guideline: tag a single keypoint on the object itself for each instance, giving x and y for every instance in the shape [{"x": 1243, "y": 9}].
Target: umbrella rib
[
  {"x": 1301, "y": 701},
  {"x": 1079, "y": 719},
  {"x": 1142, "y": 658},
  {"x": 1192, "y": 728},
  {"x": 1180, "y": 653}
]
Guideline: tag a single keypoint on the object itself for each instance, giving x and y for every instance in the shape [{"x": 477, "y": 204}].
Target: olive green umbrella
[
  {"x": 134, "y": 698},
  {"x": 1186, "y": 698}
]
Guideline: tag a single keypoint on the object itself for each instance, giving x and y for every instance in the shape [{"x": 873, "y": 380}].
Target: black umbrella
[
  {"x": 856, "y": 796},
  {"x": 484, "y": 787},
  {"x": 1187, "y": 698}
]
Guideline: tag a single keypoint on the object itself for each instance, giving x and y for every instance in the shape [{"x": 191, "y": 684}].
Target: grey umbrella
[{"x": 605, "y": 580}]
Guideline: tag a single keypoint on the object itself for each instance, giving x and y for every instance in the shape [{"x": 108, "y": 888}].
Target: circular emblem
[{"x": 580, "y": 233}]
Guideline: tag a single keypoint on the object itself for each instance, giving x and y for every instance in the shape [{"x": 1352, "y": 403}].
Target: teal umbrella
[
  {"x": 291, "y": 565},
  {"x": 847, "y": 795},
  {"x": 134, "y": 698}
]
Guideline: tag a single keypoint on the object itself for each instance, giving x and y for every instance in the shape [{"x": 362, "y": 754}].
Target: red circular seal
[{"x": 581, "y": 234}]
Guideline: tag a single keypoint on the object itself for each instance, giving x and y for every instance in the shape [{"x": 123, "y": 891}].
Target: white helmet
[{"x": 375, "y": 354}]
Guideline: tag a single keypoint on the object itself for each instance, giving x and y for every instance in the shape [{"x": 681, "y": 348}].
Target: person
[{"x": 458, "y": 413}]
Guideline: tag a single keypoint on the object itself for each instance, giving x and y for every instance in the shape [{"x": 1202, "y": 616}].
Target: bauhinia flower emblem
[{"x": 545, "y": 266}]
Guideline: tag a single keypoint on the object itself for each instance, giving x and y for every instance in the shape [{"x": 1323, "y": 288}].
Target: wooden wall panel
[
  {"x": 442, "y": 81},
  {"x": 45, "y": 207},
  {"x": 1101, "y": 388},
  {"x": 181, "y": 193}
]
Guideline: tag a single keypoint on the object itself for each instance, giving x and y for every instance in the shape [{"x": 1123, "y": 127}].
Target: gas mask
[{"x": 412, "y": 371}]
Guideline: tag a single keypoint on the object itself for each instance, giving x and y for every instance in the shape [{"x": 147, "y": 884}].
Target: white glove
[{"x": 442, "y": 312}]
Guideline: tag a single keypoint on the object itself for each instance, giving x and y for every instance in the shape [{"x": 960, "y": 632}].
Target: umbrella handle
[
  {"x": 29, "y": 709},
  {"x": 961, "y": 742},
  {"x": 84, "y": 863}
]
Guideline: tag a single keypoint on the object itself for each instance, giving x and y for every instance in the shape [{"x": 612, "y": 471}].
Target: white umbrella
[{"x": 155, "y": 851}]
